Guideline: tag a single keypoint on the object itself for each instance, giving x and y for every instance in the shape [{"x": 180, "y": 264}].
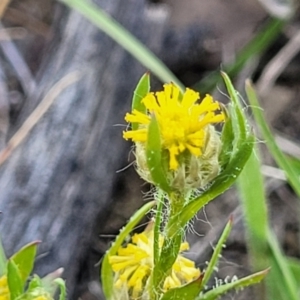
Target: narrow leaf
[
  {"x": 3, "y": 259},
  {"x": 277, "y": 154},
  {"x": 62, "y": 286},
  {"x": 216, "y": 254},
  {"x": 157, "y": 225},
  {"x": 24, "y": 259},
  {"x": 168, "y": 256},
  {"x": 154, "y": 156},
  {"x": 187, "y": 292},
  {"x": 34, "y": 283},
  {"x": 141, "y": 90},
  {"x": 14, "y": 280},
  {"x": 106, "y": 270},
  {"x": 265, "y": 248},
  {"x": 288, "y": 284},
  {"x": 238, "y": 118},
  {"x": 255, "y": 210},
  {"x": 227, "y": 139},
  {"x": 238, "y": 284},
  {"x": 294, "y": 265}
]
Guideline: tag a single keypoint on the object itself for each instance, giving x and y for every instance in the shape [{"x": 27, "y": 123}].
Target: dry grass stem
[
  {"x": 36, "y": 115},
  {"x": 3, "y": 6},
  {"x": 287, "y": 146},
  {"x": 273, "y": 172},
  {"x": 29, "y": 22},
  {"x": 278, "y": 64},
  {"x": 15, "y": 58},
  {"x": 7, "y": 34}
]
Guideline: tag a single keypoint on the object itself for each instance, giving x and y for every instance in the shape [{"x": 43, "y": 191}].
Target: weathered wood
[
  {"x": 60, "y": 184},
  {"x": 57, "y": 182}
]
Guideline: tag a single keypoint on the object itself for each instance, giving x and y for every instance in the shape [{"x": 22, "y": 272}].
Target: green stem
[
  {"x": 157, "y": 226},
  {"x": 161, "y": 271},
  {"x": 169, "y": 252}
]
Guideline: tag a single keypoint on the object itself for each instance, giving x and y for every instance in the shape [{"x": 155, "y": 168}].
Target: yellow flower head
[
  {"x": 133, "y": 265},
  {"x": 182, "y": 121},
  {"x": 43, "y": 297},
  {"x": 4, "y": 291}
]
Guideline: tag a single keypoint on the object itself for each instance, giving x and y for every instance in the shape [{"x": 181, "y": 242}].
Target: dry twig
[
  {"x": 3, "y": 6},
  {"x": 36, "y": 115},
  {"x": 17, "y": 61},
  {"x": 278, "y": 64}
]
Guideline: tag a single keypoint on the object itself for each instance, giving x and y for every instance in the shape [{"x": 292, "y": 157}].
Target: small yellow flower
[
  {"x": 43, "y": 297},
  {"x": 182, "y": 121},
  {"x": 4, "y": 291},
  {"x": 133, "y": 265}
]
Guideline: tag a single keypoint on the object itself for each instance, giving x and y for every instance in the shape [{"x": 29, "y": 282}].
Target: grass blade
[
  {"x": 216, "y": 255},
  {"x": 277, "y": 154},
  {"x": 255, "y": 210},
  {"x": 124, "y": 38},
  {"x": 288, "y": 287},
  {"x": 265, "y": 251}
]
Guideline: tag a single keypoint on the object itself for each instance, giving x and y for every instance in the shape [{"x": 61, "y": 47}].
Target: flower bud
[{"x": 190, "y": 145}]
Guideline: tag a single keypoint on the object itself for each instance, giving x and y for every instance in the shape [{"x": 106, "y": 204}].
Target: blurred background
[{"x": 66, "y": 178}]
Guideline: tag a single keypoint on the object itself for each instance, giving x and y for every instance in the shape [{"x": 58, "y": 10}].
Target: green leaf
[
  {"x": 47, "y": 281},
  {"x": 238, "y": 118},
  {"x": 141, "y": 90},
  {"x": 24, "y": 259},
  {"x": 3, "y": 260},
  {"x": 227, "y": 139},
  {"x": 216, "y": 254},
  {"x": 280, "y": 270},
  {"x": 294, "y": 163},
  {"x": 14, "y": 280},
  {"x": 154, "y": 156},
  {"x": 255, "y": 210},
  {"x": 62, "y": 286},
  {"x": 106, "y": 270},
  {"x": 265, "y": 250},
  {"x": 238, "y": 284},
  {"x": 34, "y": 283},
  {"x": 221, "y": 183},
  {"x": 277, "y": 154},
  {"x": 187, "y": 292},
  {"x": 294, "y": 266},
  {"x": 168, "y": 256},
  {"x": 157, "y": 225},
  {"x": 232, "y": 161},
  {"x": 124, "y": 38}
]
